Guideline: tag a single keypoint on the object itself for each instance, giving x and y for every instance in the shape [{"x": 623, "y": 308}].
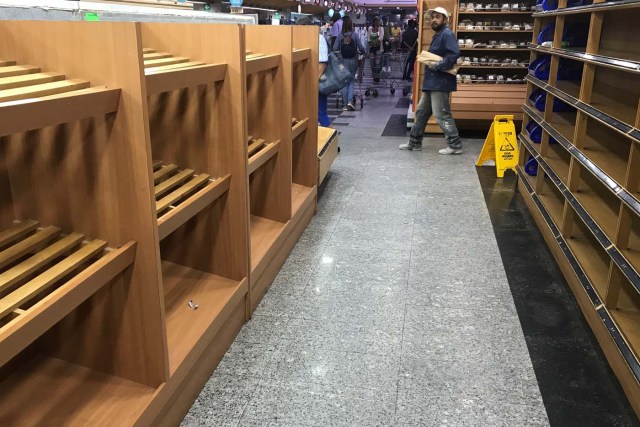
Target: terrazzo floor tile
[
  {"x": 247, "y": 359},
  {"x": 265, "y": 329},
  {"x": 277, "y": 404},
  {"x": 300, "y": 363},
  {"x": 221, "y": 402}
]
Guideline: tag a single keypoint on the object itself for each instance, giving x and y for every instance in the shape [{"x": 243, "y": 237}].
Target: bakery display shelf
[
  {"x": 264, "y": 234},
  {"x": 559, "y": 159},
  {"x": 495, "y": 12},
  {"x": 598, "y": 113},
  {"x": 464, "y": 30},
  {"x": 45, "y": 274},
  {"x": 494, "y": 67},
  {"x": 494, "y": 49},
  {"x": 181, "y": 193},
  {"x": 32, "y": 99},
  {"x": 164, "y": 72}
]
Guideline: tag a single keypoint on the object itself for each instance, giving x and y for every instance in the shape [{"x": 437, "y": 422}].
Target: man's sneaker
[
  {"x": 411, "y": 147},
  {"x": 450, "y": 150}
]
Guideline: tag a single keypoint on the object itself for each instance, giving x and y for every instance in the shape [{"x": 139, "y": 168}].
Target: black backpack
[{"x": 348, "y": 48}]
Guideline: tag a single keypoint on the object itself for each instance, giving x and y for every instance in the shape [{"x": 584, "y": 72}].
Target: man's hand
[{"x": 433, "y": 66}]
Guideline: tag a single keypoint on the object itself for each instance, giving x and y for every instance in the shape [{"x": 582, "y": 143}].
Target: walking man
[{"x": 437, "y": 86}]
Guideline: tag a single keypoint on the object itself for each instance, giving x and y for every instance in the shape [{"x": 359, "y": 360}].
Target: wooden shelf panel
[
  {"x": 565, "y": 123},
  {"x": 553, "y": 202},
  {"x": 256, "y": 63},
  {"x": 165, "y": 80},
  {"x": 628, "y": 321},
  {"x": 301, "y": 55},
  {"x": 165, "y": 61},
  {"x": 618, "y": 110},
  {"x": 298, "y": 127},
  {"x": 559, "y": 160},
  {"x": 31, "y": 99},
  {"x": 213, "y": 295},
  {"x": 49, "y": 391},
  {"x": 496, "y": 49},
  {"x": 593, "y": 261},
  {"x": 495, "y": 67},
  {"x": 44, "y": 275},
  {"x": 299, "y": 195},
  {"x": 570, "y": 87},
  {"x": 460, "y": 30},
  {"x": 181, "y": 194},
  {"x": 605, "y": 215},
  {"x": 261, "y": 156},
  {"x": 264, "y": 233}
]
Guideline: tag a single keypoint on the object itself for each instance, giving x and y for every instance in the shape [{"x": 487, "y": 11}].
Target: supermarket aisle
[{"x": 393, "y": 309}]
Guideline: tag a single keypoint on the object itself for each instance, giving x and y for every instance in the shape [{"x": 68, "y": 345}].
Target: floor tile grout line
[{"x": 404, "y": 320}]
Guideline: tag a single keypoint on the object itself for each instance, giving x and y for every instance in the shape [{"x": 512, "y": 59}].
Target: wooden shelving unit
[
  {"x": 482, "y": 93},
  {"x": 282, "y": 85},
  {"x": 137, "y": 213},
  {"x": 592, "y": 225},
  {"x": 80, "y": 287}
]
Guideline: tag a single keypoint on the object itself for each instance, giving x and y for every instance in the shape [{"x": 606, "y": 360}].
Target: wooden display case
[
  {"x": 595, "y": 238},
  {"x": 494, "y": 61}
]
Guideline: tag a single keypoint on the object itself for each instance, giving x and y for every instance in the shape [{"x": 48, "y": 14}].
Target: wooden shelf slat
[
  {"x": 45, "y": 280},
  {"x": 177, "y": 179},
  {"x": 55, "y": 109},
  {"x": 259, "y": 63},
  {"x": 44, "y": 89},
  {"x": 29, "y": 79},
  {"x": 35, "y": 321},
  {"x": 182, "y": 191},
  {"x": 17, "y": 231},
  {"x": 28, "y": 245},
  {"x": 6, "y": 62},
  {"x": 165, "y": 61},
  {"x": 37, "y": 261},
  {"x": 163, "y": 68},
  {"x": 148, "y": 50},
  {"x": 301, "y": 54},
  {"x": 255, "y": 146},
  {"x": 496, "y": 12},
  {"x": 590, "y": 8},
  {"x": 18, "y": 70},
  {"x": 163, "y": 172},
  {"x": 168, "y": 80},
  {"x": 176, "y": 217},
  {"x": 300, "y": 127},
  {"x": 460, "y": 30},
  {"x": 263, "y": 156},
  {"x": 155, "y": 55}
]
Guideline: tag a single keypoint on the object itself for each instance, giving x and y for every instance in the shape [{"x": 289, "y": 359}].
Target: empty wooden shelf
[
  {"x": 260, "y": 152},
  {"x": 298, "y": 127},
  {"x": 594, "y": 237},
  {"x": 257, "y": 62},
  {"x": 31, "y": 99}
]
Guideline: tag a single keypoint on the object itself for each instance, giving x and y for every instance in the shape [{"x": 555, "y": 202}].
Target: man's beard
[{"x": 437, "y": 27}]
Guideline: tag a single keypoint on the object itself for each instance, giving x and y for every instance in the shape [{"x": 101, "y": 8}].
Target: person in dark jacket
[
  {"x": 437, "y": 86},
  {"x": 409, "y": 42}
]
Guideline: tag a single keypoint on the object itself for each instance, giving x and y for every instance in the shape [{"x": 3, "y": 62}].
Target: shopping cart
[{"x": 388, "y": 71}]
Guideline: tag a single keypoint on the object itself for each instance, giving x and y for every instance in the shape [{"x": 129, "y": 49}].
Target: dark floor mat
[
  {"x": 403, "y": 103},
  {"x": 396, "y": 126},
  {"x": 577, "y": 385}
]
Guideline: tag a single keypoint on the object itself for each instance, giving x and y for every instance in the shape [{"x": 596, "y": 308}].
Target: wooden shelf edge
[
  {"x": 258, "y": 263},
  {"x": 622, "y": 348},
  {"x": 262, "y": 63},
  {"x": 301, "y": 54},
  {"x": 23, "y": 330},
  {"x": 605, "y": 61},
  {"x": 165, "y": 81},
  {"x": 263, "y": 156},
  {"x": 594, "y": 7},
  {"x": 300, "y": 127},
  {"x": 307, "y": 194},
  {"x": 36, "y": 113},
  {"x": 176, "y": 217}
]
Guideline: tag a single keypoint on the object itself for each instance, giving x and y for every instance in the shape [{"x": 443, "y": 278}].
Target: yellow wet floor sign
[{"x": 500, "y": 145}]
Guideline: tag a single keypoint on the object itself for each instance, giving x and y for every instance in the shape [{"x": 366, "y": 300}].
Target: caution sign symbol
[
  {"x": 506, "y": 146},
  {"x": 502, "y": 129}
]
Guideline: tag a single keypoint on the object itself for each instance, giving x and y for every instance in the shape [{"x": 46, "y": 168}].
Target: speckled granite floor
[{"x": 393, "y": 309}]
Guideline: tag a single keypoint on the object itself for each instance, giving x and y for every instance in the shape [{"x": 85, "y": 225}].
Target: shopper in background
[
  {"x": 396, "y": 32},
  {"x": 437, "y": 86},
  {"x": 323, "y": 58},
  {"x": 410, "y": 43},
  {"x": 336, "y": 28},
  {"x": 348, "y": 44},
  {"x": 376, "y": 35}
]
